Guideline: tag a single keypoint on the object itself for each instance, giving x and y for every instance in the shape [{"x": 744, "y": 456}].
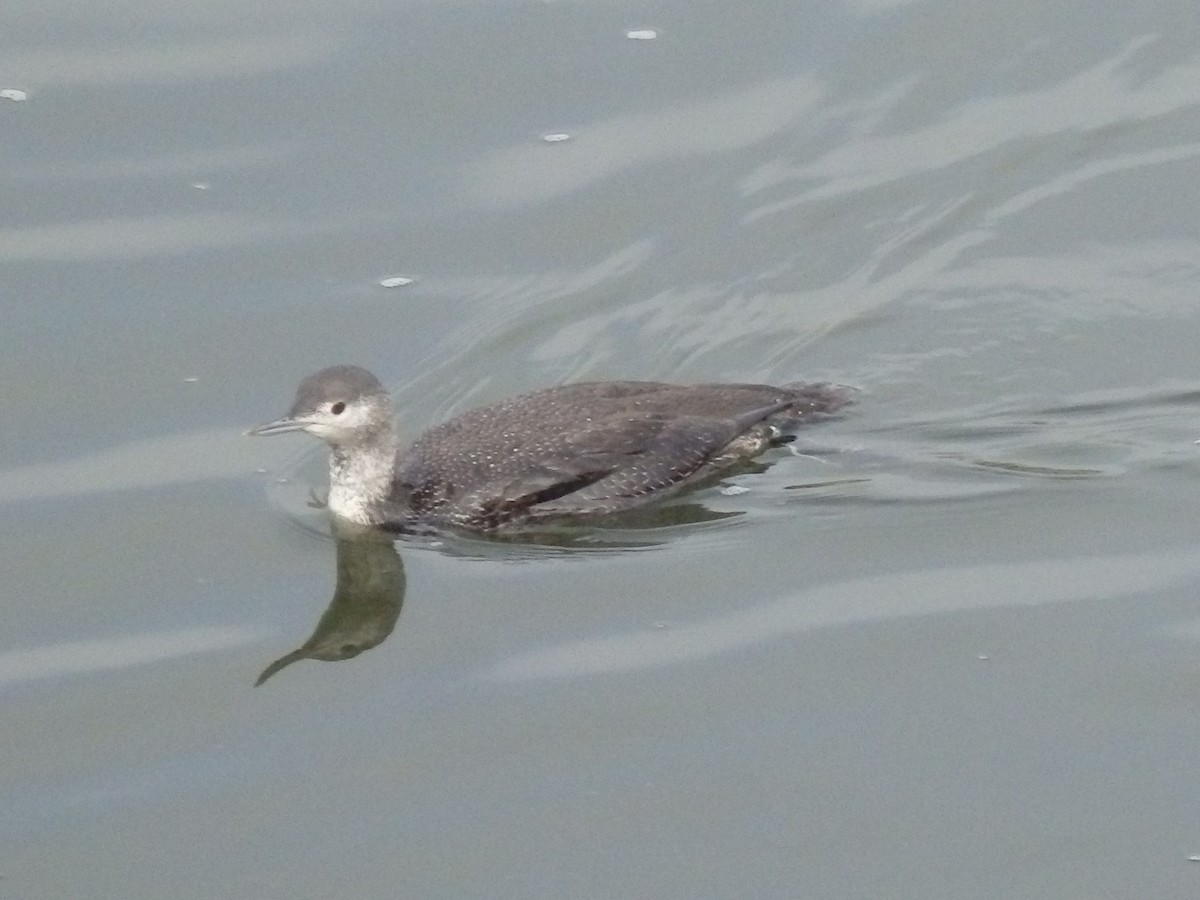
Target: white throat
[{"x": 360, "y": 482}]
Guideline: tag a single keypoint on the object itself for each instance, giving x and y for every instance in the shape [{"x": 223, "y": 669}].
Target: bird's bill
[{"x": 279, "y": 426}]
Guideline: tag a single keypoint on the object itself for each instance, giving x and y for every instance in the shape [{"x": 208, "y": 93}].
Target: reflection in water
[
  {"x": 370, "y": 574},
  {"x": 371, "y": 584},
  {"x": 366, "y": 602}
]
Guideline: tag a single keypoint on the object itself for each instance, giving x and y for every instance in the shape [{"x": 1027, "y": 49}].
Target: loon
[{"x": 574, "y": 451}]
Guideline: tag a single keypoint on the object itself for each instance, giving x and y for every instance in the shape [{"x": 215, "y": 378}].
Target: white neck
[{"x": 360, "y": 480}]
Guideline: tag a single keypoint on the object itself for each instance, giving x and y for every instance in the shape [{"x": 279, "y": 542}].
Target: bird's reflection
[
  {"x": 366, "y": 602},
  {"x": 370, "y": 574}
]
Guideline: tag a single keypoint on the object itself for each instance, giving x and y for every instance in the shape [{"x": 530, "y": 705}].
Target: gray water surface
[{"x": 950, "y": 650}]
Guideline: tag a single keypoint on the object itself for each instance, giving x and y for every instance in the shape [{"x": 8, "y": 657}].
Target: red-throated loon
[{"x": 576, "y": 450}]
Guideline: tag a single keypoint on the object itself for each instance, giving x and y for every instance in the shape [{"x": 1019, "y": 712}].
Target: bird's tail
[{"x": 819, "y": 398}]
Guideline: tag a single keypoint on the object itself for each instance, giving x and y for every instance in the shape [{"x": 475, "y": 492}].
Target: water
[{"x": 950, "y": 651}]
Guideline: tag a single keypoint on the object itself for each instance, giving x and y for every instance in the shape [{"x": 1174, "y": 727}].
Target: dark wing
[
  {"x": 577, "y": 461},
  {"x": 617, "y": 466}
]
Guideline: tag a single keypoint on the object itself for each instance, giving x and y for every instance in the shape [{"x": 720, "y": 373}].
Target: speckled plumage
[{"x": 575, "y": 450}]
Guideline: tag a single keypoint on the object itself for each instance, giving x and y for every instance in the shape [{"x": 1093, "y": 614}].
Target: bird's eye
[{"x": 338, "y": 408}]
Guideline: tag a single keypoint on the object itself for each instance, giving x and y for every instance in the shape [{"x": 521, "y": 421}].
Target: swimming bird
[{"x": 567, "y": 452}]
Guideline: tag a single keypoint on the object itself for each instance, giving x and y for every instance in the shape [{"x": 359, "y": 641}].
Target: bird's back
[{"x": 594, "y": 447}]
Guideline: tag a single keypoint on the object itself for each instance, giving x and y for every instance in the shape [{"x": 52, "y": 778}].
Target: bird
[{"x": 576, "y": 451}]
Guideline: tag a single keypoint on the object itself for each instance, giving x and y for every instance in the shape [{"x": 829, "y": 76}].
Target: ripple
[
  {"x": 525, "y": 175},
  {"x": 101, "y": 654},
  {"x": 171, "y": 64},
  {"x": 880, "y": 598}
]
